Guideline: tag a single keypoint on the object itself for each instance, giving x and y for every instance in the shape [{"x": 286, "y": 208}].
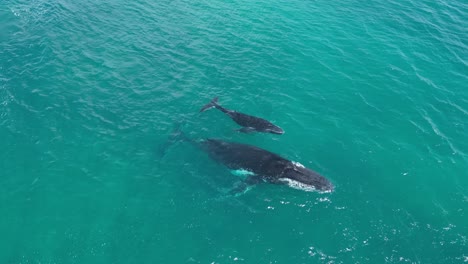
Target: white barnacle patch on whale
[
  {"x": 242, "y": 172},
  {"x": 297, "y": 185},
  {"x": 297, "y": 164}
]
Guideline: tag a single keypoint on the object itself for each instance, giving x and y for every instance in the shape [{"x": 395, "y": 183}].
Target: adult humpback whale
[
  {"x": 249, "y": 123},
  {"x": 264, "y": 166},
  {"x": 260, "y": 164}
]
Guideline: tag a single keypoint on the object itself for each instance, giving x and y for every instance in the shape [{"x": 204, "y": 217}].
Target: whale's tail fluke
[{"x": 213, "y": 103}]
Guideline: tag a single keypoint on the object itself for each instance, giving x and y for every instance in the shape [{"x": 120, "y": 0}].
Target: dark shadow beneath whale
[{"x": 248, "y": 122}]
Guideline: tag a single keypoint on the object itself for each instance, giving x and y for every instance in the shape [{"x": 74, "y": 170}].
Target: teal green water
[{"x": 371, "y": 94}]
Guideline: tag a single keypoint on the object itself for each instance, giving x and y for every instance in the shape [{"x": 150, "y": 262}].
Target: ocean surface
[{"x": 372, "y": 94}]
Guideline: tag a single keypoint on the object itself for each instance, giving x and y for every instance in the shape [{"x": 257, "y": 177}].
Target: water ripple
[{"x": 370, "y": 94}]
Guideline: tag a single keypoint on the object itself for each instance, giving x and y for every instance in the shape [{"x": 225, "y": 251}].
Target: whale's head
[
  {"x": 274, "y": 129},
  {"x": 300, "y": 177}
]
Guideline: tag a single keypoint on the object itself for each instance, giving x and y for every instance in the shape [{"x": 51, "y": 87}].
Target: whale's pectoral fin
[
  {"x": 247, "y": 130},
  {"x": 243, "y": 186}
]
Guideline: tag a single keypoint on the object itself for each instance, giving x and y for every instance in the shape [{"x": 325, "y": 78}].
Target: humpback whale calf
[{"x": 248, "y": 122}]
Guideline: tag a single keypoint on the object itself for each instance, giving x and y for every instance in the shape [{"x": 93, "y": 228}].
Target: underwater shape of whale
[
  {"x": 248, "y": 122},
  {"x": 264, "y": 166}
]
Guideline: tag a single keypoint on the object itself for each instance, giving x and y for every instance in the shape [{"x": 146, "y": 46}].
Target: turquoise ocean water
[{"x": 371, "y": 94}]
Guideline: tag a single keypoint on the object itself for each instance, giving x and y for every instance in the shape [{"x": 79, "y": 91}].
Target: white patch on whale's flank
[
  {"x": 297, "y": 164},
  {"x": 242, "y": 172},
  {"x": 297, "y": 185}
]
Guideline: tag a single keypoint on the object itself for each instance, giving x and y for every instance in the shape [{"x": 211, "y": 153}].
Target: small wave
[
  {"x": 439, "y": 133},
  {"x": 315, "y": 252},
  {"x": 459, "y": 108}
]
